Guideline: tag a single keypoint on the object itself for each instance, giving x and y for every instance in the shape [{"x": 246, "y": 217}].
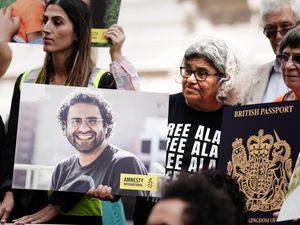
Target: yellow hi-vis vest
[{"x": 31, "y": 76}]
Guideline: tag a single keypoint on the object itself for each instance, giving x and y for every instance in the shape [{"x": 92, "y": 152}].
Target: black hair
[
  {"x": 225, "y": 182},
  {"x": 291, "y": 39},
  {"x": 207, "y": 205},
  {"x": 92, "y": 99}
]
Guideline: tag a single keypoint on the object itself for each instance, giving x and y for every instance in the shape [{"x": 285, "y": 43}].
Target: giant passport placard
[
  {"x": 259, "y": 147},
  {"x": 74, "y": 139}
]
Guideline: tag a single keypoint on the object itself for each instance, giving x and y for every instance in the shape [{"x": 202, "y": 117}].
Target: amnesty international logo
[
  {"x": 138, "y": 182},
  {"x": 262, "y": 170}
]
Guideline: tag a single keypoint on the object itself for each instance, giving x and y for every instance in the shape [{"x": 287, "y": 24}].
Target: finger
[
  {"x": 19, "y": 220},
  {"x": 27, "y": 220},
  {"x": 111, "y": 33},
  {"x": 90, "y": 193},
  {"x": 40, "y": 220},
  {"x": 114, "y": 26},
  {"x": 19, "y": 223},
  {"x": 119, "y": 29},
  {"x": 276, "y": 214},
  {"x": 7, "y": 12},
  {"x": 16, "y": 20},
  {"x": 107, "y": 192},
  {"x": 5, "y": 216},
  {"x": 2, "y": 12},
  {"x": 1, "y": 211},
  {"x": 98, "y": 191},
  {"x": 103, "y": 192}
]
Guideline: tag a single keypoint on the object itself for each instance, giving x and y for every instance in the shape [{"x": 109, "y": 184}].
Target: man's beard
[{"x": 86, "y": 142}]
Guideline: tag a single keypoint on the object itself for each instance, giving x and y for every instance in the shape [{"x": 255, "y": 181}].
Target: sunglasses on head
[{"x": 283, "y": 59}]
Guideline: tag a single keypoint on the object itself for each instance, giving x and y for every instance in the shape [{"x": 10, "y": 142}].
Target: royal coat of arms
[{"x": 262, "y": 170}]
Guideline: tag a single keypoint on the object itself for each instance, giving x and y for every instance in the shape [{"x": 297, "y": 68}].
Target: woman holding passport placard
[{"x": 66, "y": 37}]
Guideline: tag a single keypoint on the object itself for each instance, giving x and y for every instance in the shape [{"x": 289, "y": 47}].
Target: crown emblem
[
  {"x": 262, "y": 170},
  {"x": 260, "y": 145}
]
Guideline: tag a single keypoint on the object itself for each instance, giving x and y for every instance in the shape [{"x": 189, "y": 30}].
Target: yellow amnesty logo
[
  {"x": 138, "y": 182},
  {"x": 98, "y": 36}
]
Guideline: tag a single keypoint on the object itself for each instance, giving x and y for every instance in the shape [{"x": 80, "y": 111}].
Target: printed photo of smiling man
[
  {"x": 71, "y": 143},
  {"x": 87, "y": 122}
]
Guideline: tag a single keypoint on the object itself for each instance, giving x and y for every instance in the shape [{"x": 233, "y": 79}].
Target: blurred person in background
[
  {"x": 193, "y": 200},
  {"x": 5, "y": 59},
  {"x": 66, "y": 37},
  {"x": 289, "y": 58},
  {"x": 223, "y": 181},
  {"x": 9, "y": 25},
  {"x": 277, "y": 18},
  {"x": 31, "y": 17}
]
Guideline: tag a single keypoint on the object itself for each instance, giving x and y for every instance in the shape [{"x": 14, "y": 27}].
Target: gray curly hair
[
  {"x": 221, "y": 57},
  {"x": 270, "y": 6}
]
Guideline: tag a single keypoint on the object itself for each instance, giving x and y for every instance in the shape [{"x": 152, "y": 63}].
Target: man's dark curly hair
[
  {"x": 225, "y": 182},
  {"x": 207, "y": 205},
  {"x": 87, "y": 98}
]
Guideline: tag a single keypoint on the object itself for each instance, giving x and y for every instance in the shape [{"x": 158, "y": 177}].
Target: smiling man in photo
[{"x": 86, "y": 120}]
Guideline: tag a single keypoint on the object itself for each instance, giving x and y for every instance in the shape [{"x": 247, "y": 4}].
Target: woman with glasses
[
  {"x": 289, "y": 58},
  {"x": 68, "y": 61},
  {"x": 208, "y": 72}
]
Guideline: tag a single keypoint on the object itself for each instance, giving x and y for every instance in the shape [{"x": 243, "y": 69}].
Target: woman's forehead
[{"x": 55, "y": 10}]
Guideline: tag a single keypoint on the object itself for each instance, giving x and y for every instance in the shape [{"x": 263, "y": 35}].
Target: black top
[
  {"x": 2, "y": 139},
  {"x": 183, "y": 124},
  {"x": 193, "y": 137},
  {"x": 2, "y": 132}
]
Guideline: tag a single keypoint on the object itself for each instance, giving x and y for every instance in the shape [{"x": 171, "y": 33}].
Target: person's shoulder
[
  {"x": 175, "y": 98},
  {"x": 252, "y": 69},
  {"x": 279, "y": 99},
  {"x": 127, "y": 161},
  {"x": 66, "y": 162},
  {"x": 262, "y": 70},
  {"x": 106, "y": 79},
  {"x": 120, "y": 154},
  {"x": 31, "y": 73}
]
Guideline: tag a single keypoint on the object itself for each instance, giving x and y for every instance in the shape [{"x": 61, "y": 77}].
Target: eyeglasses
[
  {"x": 272, "y": 32},
  {"x": 283, "y": 59},
  {"x": 200, "y": 74},
  {"x": 91, "y": 121}
]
